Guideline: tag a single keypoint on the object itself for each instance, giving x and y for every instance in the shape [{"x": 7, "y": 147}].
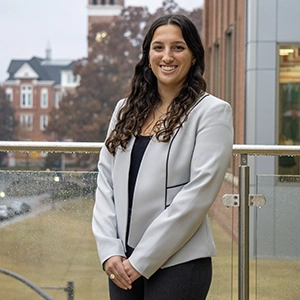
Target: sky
[{"x": 28, "y": 26}]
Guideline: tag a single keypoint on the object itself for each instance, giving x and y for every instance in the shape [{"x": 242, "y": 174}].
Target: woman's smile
[{"x": 168, "y": 68}]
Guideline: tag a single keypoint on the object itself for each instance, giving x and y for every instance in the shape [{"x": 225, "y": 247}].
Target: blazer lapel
[
  {"x": 120, "y": 179},
  {"x": 150, "y": 196}
]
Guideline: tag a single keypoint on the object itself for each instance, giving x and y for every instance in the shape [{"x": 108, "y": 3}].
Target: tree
[
  {"x": 8, "y": 123},
  {"x": 105, "y": 75}
]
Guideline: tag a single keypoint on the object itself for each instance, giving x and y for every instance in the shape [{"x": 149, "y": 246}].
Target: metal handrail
[
  {"x": 37, "y": 289},
  {"x": 50, "y": 146},
  {"x": 266, "y": 149},
  {"x": 95, "y": 147},
  {"x": 238, "y": 149}
]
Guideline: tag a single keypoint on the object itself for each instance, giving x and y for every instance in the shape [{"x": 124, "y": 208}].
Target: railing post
[
  {"x": 243, "y": 263},
  {"x": 70, "y": 290}
]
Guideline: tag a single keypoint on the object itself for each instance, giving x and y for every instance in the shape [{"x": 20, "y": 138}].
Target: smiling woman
[
  {"x": 170, "y": 60},
  {"x": 150, "y": 217}
]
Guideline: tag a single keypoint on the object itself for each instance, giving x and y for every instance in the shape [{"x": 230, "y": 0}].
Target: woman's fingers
[
  {"x": 131, "y": 271},
  {"x": 116, "y": 272}
]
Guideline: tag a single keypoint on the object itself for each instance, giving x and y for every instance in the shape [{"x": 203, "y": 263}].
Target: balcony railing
[{"x": 62, "y": 203}]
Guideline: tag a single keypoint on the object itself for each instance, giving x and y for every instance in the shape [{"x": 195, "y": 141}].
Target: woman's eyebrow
[{"x": 175, "y": 42}]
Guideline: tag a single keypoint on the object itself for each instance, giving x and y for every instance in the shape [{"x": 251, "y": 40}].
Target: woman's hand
[
  {"x": 115, "y": 270},
  {"x": 130, "y": 270}
]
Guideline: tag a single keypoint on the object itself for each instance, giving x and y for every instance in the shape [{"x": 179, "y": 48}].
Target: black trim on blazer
[
  {"x": 167, "y": 164},
  {"x": 177, "y": 185},
  {"x": 168, "y": 155}
]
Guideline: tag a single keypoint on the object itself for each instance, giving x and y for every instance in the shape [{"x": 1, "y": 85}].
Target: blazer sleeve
[
  {"x": 177, "y": 224},
  {"x": 104, "y": 216}
]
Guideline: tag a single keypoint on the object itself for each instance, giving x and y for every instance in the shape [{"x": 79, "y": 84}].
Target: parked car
[
  {"x": 6, "y": 212},
  {"x": 20, "y": 208}
]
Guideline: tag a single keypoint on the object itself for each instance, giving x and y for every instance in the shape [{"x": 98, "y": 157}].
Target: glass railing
[
  {"x": 48, "y": 249},
  {"x": 276, "y": 236}
]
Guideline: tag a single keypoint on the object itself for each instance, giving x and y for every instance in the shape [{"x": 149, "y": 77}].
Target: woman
[{"x": 168, "y": 147}]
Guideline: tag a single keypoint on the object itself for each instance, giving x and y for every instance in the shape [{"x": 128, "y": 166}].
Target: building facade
[
  {"x": 35, "y": 87},
  {"x": 224, "y": 39},
  {"x": 273, "y": 80},
  {"x": 253, "y": 62},
  {"x": 102, "y": 11}
]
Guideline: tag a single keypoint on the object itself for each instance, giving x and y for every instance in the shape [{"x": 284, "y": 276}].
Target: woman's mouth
[{"x": 168, "y": 68}]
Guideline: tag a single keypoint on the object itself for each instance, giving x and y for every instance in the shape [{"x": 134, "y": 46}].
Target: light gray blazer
[{"x": 176, "y": 185}]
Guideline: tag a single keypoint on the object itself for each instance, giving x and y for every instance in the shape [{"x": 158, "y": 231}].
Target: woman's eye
[
  {"x": 157, "y": 47},
  {"x": 179, "y": 48}
]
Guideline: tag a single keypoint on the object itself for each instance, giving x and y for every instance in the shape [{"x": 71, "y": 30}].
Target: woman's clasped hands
[{"x": 121, "y": 272}]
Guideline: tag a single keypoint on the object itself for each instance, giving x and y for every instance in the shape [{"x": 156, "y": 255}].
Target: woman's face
[{"x": 169, "y": 57}]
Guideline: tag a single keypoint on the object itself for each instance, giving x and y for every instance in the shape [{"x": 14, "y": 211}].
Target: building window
[
  {"x": 9, "y": 94},
  {"x": 43, "y": 122},
  {"x": 26, "y": 122},
  {"x": 71, "y": 78},
  {"x": 228, "y": 67},
  {"x": 216, "y": 69},
  {"x": 103, "y": 2},
  {"x": 111, "y": 2},
  {"x": 44, "y": 98},
  {"x": 95, "y": 2},
  {"x": 289, "y": 106},
  {"x": 57, "y": 99},
  {"x": 26, "y": 96}
]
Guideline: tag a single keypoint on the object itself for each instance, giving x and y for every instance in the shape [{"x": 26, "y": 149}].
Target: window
[
  {"x": 216, "y": 70},
  {"x": 43, "y": 122},
  {"x": 228, "y": 67},
  {"x": 103, "y": 2},
  {"x": 289, "y": 105},
  {"x": 9, "y": 94},
  {"x": 95, "y": 2},
  {"x": 71, "y": 78},
  {"x": 57, "y": 99},
  {"x": 44, "y": 98},
  {"x": 26, "y": 122},
  {"x": 26, "y": 96},
  {"x": 111, "y": 2}
]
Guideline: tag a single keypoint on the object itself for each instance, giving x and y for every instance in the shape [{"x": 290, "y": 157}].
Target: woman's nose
[{"x": 168, "y": 56}]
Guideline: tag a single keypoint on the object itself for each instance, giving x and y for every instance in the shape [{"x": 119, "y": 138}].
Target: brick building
[
  {"x": 35, "y": 87},
  {"x": 253, "y": 62},
  {"x": 224, "y": 36},
  {"x": 102, "y": 11}
]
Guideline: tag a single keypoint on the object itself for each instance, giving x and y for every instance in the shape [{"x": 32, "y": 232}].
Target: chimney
[{"x": 48, "y": 51}]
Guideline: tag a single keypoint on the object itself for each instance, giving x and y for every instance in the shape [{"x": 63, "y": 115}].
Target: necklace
[{"x": 150, "y": 124}]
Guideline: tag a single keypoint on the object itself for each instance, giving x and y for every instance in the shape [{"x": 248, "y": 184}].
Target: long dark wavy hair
[{"x": 143, "y": 96}]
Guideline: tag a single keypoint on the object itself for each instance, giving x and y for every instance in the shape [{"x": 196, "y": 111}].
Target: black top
[{"x": 138, "y": 150}]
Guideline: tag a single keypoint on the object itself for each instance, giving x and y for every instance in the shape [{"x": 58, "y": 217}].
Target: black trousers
[{"x": 187, "y": 281}]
